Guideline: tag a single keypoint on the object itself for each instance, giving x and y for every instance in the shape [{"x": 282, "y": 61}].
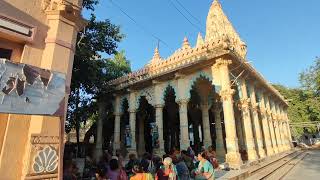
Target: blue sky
[{"x": 283, "y": 36}]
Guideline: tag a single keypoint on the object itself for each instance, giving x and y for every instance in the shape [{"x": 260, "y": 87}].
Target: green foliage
[
  {"x": 303, "y": 107},
  {"x": 310, "y": 78},
  {"x": 304, "y": 102},
  {"x": 91, "y": 72}
]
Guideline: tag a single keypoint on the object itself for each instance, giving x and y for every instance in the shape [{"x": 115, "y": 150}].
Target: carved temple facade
[
  {"x": 37, "y": 46},
  {"x": 204, "y": 95}
]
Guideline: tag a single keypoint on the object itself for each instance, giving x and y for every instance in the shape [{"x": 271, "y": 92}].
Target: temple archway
[
  {"x": 200, "y": 127},
  {"x": 171, "y": 120},
  {"x": 145, "y": 119},
  {"x": 124, "y": 126}
]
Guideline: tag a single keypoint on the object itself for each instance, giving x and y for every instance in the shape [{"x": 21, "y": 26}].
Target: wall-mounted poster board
[{"x": 26, "y": 89}]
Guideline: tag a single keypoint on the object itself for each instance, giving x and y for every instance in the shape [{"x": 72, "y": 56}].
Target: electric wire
[
  {"x": 194, "y": 25},
  {"x": 139, "y": 25},
  {"x": 183, "y": 7}
]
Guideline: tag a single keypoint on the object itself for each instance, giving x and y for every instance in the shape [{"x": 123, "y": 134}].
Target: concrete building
[
  {"x": 208, "y": 93},
  {"x": 39, "y": 35}
]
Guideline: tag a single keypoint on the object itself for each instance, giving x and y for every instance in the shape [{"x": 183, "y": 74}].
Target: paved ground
[{"x": 307, "y": 169}]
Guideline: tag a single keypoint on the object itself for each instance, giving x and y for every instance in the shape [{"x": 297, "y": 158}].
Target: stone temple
[{"x": 206, "y": 95}]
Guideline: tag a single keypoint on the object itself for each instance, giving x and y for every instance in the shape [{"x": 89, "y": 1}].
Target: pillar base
[
  {"x": 252, "y": 155},
  {"x": 207, "y": 144},
  {"x": 234, "y": 159},
  {"x": 184, "y": 145},
  {"x": 132, "y": 151},
  {"x": 276, "y": 150},
  {"x": 280, "y": 148},
  {"x": 261, "y": 153},
  {"x": 159, "y": 152},
  {"x": 116, "y": 146},
  {"x": 98, "y": 152},
  {"x": 220, "y": 152},
  {"x": 269, "y": 151}
]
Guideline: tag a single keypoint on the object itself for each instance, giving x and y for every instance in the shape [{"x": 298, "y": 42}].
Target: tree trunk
[{"x": 76, "y": 118}]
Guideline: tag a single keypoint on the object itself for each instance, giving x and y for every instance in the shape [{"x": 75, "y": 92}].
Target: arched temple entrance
[
  {"x": 124, "y": 127},
  {"x": 200, "y": 125},
  {"x": 145, "y": 120},
  {"x": 171, "y": 122}
]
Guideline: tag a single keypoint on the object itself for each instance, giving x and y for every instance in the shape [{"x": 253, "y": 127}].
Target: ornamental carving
[
  {"x": 46, "y": 161},
  {"x": 263, "y": 111},
  {"x": 254, "y": 107},
  {"x": 223, "y": 62},
  {"x": 227, "y": 94},
  {"x": 183, "y": 102},
  {"x": 148, "y": 93},
  {"x": 45, "y": 140},
  {"x": 51, "y": 5},
  {"x": 269, "y": 112},
  {"x": 273, "y": 116},
  {"x": 244, "y": 103},
  {"x": 44, "y": 157}
]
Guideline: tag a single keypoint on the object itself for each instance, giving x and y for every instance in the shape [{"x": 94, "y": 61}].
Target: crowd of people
[{"x": 177, "y": 165}]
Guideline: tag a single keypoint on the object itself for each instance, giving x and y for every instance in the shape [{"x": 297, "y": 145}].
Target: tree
[
  {"x": 303, "y": 107},
  {"x": 310, "y": 78},
  {"x": 90, "y": 72}
]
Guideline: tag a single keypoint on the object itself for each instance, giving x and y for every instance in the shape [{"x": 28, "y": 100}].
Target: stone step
[
  {"x": 255, "y": 167},
  {"x": 269, "y": 160},
  {"x": 281, "y": 172},
  {"x": 270, "y": 168}
]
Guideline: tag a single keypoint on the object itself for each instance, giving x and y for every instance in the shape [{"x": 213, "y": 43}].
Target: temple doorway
[
  {"x": 200, "y": 125},
  {"x": 195, "y": 121},
  {"x": 145, "y": 120},
  {"x": 171, "y": 121},
  {"x": 125, "y": 140}
]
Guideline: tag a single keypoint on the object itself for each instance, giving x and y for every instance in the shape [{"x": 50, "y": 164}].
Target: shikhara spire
[
  {"x": 220, "y": 28},
  {"x": 156, "y": 56},
  {"x": 186, "y": 44},
  {"x": 199, "y": 40}
]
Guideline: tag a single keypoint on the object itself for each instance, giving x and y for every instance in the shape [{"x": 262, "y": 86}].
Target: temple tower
[{"x": 218, "y": 27}]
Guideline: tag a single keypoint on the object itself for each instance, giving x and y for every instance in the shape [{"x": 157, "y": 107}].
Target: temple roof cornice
[{"x": 180, "y": 59}]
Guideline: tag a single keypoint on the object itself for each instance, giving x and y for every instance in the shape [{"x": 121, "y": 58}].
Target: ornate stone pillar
[
  {"x": 117, "y": 131},
  {"x": 271, "y": 126},
  {"x": 184, "y": 128},
  {"x": 277, "y": 132},
  {"x": 207, "y": 141},
  {"x": 99, "y": 142},
  {"x": 220, "y": 150},
  {"x": 233, "y": 156},
  {"x": 247, "y": 126},
  {"x": 276, "y": 127},
  {"x": 287, "y": 142},
  {"x": 117, "y": 114},
  {"x": 265, "y": 126},
  {"x": 285, "y": 136},
  {"x": 256, "y": 123},
  {"x": 287, "y": 126},
  {"x": 132, "y": 122},
  {"x": 159, "y": 122},
  {"x": 239, "y": 130},
  {"x": 281, "y": 134}
]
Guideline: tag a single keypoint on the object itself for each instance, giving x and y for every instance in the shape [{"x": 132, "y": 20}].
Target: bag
[
  {"x": 214, "y": 162},
  {"x": 151, "y": 168},
  {"x": 122, "y": 175}
]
